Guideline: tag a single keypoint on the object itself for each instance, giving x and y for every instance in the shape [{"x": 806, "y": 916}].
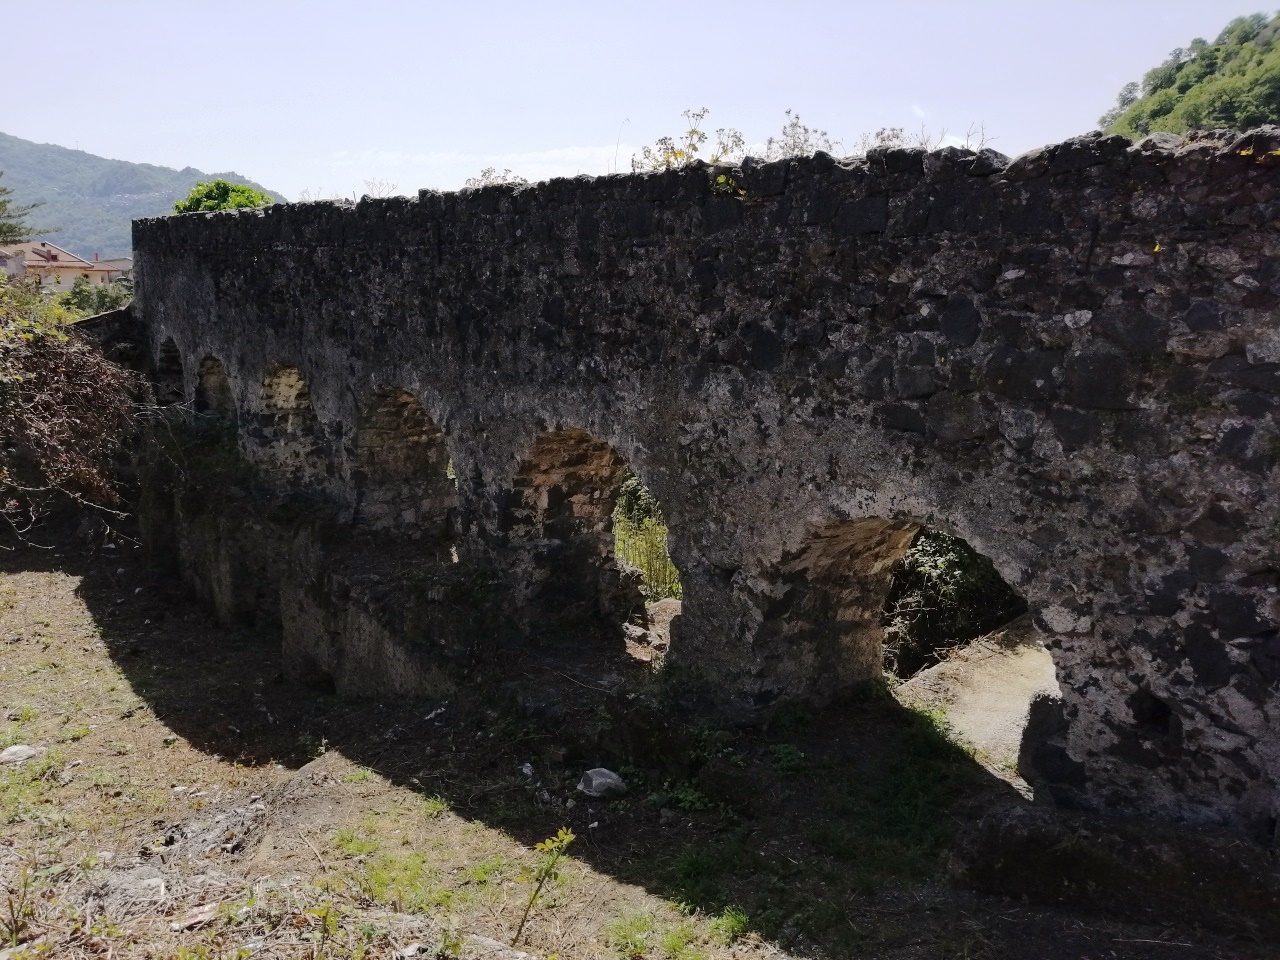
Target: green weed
[
  {"x": 434, "y": 807},
  {"x": 487, "y": 870},
  {"x": 552, "y": 850},
  {"x": 729, "y": 926},
  {"x": 354, "y": 845},
  {"x": 679, "y": 942},
  {"x": 630, "y": 934},
  {"x": 403, "y": 881},
  {"x": 786, "y": 758}
]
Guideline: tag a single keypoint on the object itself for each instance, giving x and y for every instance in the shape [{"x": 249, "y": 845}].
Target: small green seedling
[{"x": 552, "y": 849}]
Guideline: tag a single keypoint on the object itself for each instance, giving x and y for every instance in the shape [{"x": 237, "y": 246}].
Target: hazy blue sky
[{"x": 325, "y": 95}]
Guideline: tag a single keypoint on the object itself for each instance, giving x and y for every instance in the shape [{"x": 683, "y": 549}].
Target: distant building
[
  {"x": 123, "y": 264},
  {"x": 58, "y": 268}
]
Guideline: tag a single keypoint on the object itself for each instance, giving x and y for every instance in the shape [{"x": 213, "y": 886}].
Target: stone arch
[
  {"x": 943, "y": 595},
  {"x": 214, "y": 395},
  {"x": 168, "y": 376},
  {"x": 559, "y": 525},
  {"x": 287, "y": 436},
  {"x": 821, "y": 619},
  {"x": 401, "y": 468},
  {"x": 867, "y": 596}
]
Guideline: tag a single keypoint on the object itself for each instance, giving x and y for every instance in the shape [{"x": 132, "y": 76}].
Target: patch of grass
[
  {"x": 786, "y": 758},
  {"x": 680, "y": 942},
  {"x": 18, "y": 911},
  {"x": 353, "y": 844},
  {"x": 896, "y": 826},
  {"x": 402, "y": 881},
  {"x": 434, "y": 807},
  {"x": 74, "y": 734},
  {"x": 729, "y": 926},
  {"x": 630, "y": 935},
  {"x": 363, "y": 775},
  {"x": 699, "y": 872},
  {"x": 494, "y": 868},
  {"x": 25, "y": 787},
  {"x": 101, "y": 778},
  {"x": 15, "y": 733}
]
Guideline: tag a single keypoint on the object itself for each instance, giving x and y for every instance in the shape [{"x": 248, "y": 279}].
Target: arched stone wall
[
  {"x": 286, "y": 436},
  {"x": 558, "y": 532},
  {"x": 168, "y": 377},
  {"x": 824, "y": 604},
  {"x": 1070, "y": 360},
  {"x": 400, "y": 468},
  {"x": 214, "y": 395}
]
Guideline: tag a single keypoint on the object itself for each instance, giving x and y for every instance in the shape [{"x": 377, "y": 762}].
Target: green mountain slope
[
  {"x": 1233, "y": 82},
  {"x": 88, "y": 200}
]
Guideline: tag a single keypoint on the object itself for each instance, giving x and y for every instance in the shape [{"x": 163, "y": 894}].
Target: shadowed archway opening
[
  {"x": 168, "y": 377},
  {"x": 214, "y": 396},
  {"x": 943, "y": 595},
  {"x": 287, "y": 438},
  {"x": 885, "y": 603},
  {"x": 401, "y": 474},
  {"x": 822, "y": 621},
  {"x": 591, "y": 542},
  {"x": 868, "y": 597}
]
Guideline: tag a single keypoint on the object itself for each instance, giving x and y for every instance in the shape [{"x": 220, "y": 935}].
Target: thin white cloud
[{"x": 919, "y": 111}]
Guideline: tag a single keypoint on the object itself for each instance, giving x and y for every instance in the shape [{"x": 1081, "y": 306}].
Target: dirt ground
[
  {"x": 188, "y": 803},
  {"x": 985, "y": 689}
]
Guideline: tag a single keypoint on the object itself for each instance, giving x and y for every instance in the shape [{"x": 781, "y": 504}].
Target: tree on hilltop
[
  {"x": 1233, "y": 82},
  {"x": 221, "y": 195}
]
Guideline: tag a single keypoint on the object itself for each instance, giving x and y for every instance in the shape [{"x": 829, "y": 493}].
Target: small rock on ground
[
  {"x": 19, "y": 752},
  {"x": 600, "y": 782}
]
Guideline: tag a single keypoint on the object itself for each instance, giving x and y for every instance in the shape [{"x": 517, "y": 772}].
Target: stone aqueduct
[{"x": 1071, "y": 360}]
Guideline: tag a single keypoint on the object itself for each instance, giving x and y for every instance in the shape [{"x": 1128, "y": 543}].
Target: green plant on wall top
[
  {"x": 670, "y": 153},
  {"x": 221, "y": 195}
]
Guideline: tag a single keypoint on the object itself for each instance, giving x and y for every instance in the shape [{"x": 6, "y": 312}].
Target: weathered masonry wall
[{"x": 1071, "y": 360}]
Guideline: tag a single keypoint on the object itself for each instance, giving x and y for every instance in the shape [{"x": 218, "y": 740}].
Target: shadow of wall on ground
[{"x": 815, "y": 826}]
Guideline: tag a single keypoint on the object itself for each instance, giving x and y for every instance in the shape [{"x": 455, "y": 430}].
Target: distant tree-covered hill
[
  {"x": 89, "y": 201},
  {"x": 1233, "y": 82}
]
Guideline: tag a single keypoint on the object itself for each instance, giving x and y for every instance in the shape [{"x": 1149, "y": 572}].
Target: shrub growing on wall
[{"x": 221, "y": 195}]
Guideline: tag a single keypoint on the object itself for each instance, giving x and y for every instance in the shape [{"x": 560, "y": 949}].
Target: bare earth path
[{"x": 985, "y": 689}]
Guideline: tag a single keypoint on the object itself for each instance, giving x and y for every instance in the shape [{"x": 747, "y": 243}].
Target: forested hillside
[
  {"x": 1233, "y": 82},
  {"x": 88, "y": 201}
]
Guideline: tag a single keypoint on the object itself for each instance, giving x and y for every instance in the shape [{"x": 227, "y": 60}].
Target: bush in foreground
[{"x": 64, "y": 409}]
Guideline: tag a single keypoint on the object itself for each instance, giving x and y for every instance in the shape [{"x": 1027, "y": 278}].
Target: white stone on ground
[{"x": 19, "y": 752}]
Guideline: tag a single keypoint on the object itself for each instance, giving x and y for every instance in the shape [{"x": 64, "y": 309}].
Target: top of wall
[{"x": 894, "y": 192}]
